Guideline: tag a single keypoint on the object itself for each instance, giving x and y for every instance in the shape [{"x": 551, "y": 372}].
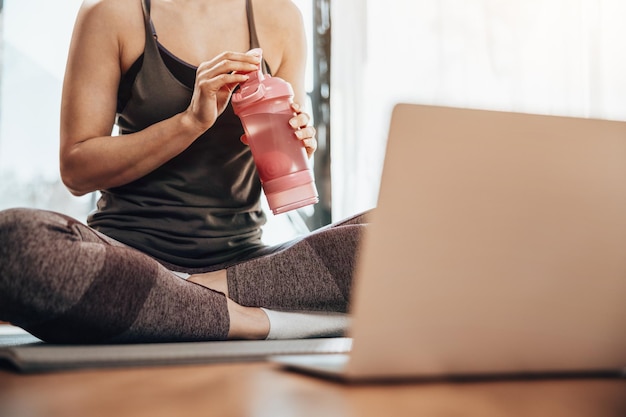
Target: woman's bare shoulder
[
  {"x": 111, "y": 15},
  {"x": 279, "y": 23},
  {"x": 116, "y": 23},
  {"x": 111, "y": 9},
  {"x": 283, "y": 15}
]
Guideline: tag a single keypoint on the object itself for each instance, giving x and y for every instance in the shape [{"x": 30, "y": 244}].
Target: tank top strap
[
  {"x": 151, "y": 50},
  {"x": 254, "y": 39}
]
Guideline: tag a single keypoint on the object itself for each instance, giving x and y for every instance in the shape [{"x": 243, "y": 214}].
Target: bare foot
[
  {"x": 214, "y": 280},
  {"x": 247, "y": 322}
]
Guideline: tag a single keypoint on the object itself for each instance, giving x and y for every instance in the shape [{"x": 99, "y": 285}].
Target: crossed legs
[{"x": 66, "y": 283}]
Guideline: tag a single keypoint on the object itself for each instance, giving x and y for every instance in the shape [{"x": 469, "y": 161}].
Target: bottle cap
[{"x": 260, "y": 86}]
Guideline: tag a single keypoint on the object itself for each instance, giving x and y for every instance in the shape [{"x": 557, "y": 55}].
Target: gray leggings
[{"x": 66, "y": 283}]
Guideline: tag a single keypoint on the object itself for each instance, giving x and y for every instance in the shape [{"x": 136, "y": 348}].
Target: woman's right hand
[{"x": 215, "y": 82}]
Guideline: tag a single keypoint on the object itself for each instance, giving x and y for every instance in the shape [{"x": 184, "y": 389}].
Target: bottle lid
[{"x": 260, "y": 86}]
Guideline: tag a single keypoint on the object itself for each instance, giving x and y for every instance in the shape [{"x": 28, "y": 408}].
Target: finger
[
  {"x": 251, "y": 58},
  {"x": 300, "y": 120},
  {"x": 214, "y": 84},
  {"x": 305, "y": 133},
  {"x": 212, "y": 69},
  {"x": 258, "y": 52},
  {"x": 310, "y": 145}
]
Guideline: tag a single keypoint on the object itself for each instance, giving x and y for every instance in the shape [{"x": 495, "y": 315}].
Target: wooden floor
[{"x": 263, "y": 389}]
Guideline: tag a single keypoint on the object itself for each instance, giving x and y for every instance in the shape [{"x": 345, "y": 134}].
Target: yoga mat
[{"x": 25, "y": 353}]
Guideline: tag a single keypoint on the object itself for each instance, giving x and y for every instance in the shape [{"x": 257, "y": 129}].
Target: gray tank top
[{"x": 202, "y": 207}]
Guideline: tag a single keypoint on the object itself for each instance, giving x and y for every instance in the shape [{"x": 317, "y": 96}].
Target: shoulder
[
  {"x": 283, "y": 15},
  {"x": 114, "y": 24},
  {"x": 108, "y": 9},
  {"x": 281, "y": 29},
  {"x": 110, "y": 15},
  {"x": 282, "y": 7}
]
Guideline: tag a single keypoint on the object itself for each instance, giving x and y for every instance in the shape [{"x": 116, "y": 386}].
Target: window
[
  {"x": 562, "y": 57},
  {"x": 32, "y": 73}
]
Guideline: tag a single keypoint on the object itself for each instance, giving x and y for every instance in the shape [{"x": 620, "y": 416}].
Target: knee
[
  {"x": 29, "y": 218},
  {"x": 11, "y": 222},
  {"x": 16, "y": 222},
  {"x": 21, "y": 227},
  {"x": 15, "y": 229},
  {"x": 32, "y": 243}
]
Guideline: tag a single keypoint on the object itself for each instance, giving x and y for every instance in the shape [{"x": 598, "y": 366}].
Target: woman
[{"x": 180, "y": 193}]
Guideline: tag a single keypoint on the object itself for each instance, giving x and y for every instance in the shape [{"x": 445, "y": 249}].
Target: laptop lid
[{"x": 498, "y": 246}]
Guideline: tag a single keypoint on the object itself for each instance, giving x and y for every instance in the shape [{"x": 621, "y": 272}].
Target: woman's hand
[
  {"x": 215, "y": 81},
  {"x": 303, "y": 132}
]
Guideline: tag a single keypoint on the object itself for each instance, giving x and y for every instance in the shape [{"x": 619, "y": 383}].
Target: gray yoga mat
[{"x": 25, "y": 353}]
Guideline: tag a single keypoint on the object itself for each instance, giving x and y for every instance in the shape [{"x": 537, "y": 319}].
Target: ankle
[{"x": 247, "y": 322}]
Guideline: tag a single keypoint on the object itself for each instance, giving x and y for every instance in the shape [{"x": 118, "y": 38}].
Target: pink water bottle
[{"x": 263, "y": 103}]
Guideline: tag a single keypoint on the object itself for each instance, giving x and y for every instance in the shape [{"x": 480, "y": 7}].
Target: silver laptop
[{"x": 498, "y": 247}]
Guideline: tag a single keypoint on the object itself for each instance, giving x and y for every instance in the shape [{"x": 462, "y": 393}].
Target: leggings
[{"x": 67, "y": 283}]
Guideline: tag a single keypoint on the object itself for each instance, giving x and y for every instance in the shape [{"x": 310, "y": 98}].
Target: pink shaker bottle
[{"x": 263, "y": 103}]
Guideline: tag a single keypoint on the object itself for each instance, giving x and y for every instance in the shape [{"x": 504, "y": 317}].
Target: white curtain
[{"x": 562, "y": 57}]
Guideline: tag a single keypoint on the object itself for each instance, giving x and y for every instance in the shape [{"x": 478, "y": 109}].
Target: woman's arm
[{"x": 92, "y": 159}]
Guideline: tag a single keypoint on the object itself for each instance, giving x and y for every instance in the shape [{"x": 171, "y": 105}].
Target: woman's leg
[
  {"x": 65, "y": 283},
  {"x": 312, "y": 274}
]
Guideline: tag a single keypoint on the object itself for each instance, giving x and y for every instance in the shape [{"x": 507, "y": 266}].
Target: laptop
[{"x": 498, "y": 248}]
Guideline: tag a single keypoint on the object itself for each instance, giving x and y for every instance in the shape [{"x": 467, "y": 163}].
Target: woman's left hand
[{"x": 303, "y": 132}]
